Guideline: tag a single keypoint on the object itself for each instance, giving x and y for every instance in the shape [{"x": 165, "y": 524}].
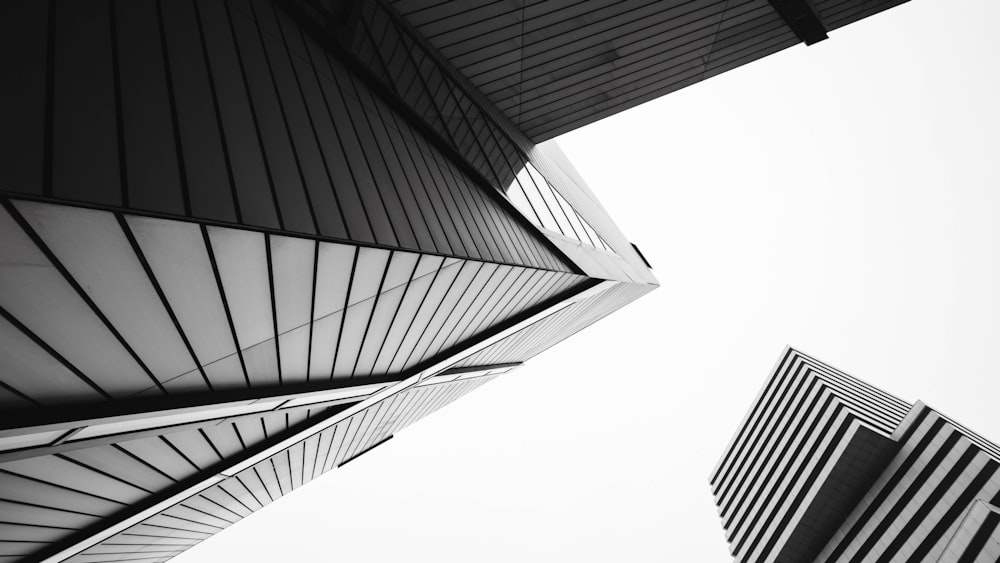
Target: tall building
[
  {"x": 828, "y": 468},
  {"x": 243, "y": 242}
]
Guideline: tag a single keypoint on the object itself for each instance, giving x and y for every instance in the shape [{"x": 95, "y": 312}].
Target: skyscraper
[
  {"x": 243, "y": 242},
  {"x": 828, "y": 468}
]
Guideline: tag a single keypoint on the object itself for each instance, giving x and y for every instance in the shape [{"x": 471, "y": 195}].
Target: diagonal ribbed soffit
[
  {"x": 175, "y": 351},
  {"x": 168, "y": 307}
]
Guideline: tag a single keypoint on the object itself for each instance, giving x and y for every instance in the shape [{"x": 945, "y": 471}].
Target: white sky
[{"x": 843, "y": 198}]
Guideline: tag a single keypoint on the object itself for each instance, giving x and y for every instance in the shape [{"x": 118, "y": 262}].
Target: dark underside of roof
[{"x": 552, "y": 67}]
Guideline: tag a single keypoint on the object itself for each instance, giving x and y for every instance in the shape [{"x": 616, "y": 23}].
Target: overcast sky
[{"x": 842, "y": 198}]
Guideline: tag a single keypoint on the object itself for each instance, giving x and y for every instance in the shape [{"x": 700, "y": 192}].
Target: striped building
[
  {"x": 828, "y": 468},
  {"x": 243, "y": 242}
]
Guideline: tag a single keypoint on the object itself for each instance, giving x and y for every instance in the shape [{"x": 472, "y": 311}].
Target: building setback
[
  {"x": 828, "y": 468},
  {"x": 243, "y": 242}
]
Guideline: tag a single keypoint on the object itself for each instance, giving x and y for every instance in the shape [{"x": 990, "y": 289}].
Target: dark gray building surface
[
  {"x": 828, "y": 468},
  {"x": 243, "y": 242},
  {"x": 552, "y": 67}
]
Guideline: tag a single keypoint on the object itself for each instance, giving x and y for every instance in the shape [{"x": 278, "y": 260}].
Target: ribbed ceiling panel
[
  {"x": 556, "y": 66},
  {"x": 196, "y": 518},
  {"x": 139, "y": 306}
]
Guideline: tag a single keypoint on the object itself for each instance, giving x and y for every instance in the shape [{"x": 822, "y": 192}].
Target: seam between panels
[
  {"x": 57, "y": 264},
  {"x": 174, "y": 120},
  {"x": 251, "y": 106},
  {"x": 371, "y": 315},
  {"x": 312, "y": 309},
  {"x": 433, "y": 137},
  {"x": 343, "y": 316},
  {"x": 223, "y": 138},
  {"x": 119, "y": 114},
  {"x": 274, "y": 306},
  {"x": 225, "y": 302},
  {"x": 123, "y": 224},
  {"x": 395, "y": 314}
]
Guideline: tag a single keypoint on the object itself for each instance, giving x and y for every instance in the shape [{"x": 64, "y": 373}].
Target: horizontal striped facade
[
  {"x": 918, "y": 503},
  {"x": 552, "y": 67},
  {"x": 810, "y": 424},
  {"x": 977, "y": 538},
  {"x": 828, "y": 468}
]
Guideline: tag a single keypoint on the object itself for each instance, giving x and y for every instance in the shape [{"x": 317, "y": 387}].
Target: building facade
[
  {"x": 828, "y": 468},
  {"x": 243, "y": 242}
]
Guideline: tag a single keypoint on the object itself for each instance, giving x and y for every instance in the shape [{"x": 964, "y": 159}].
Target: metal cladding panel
[
  {"x": 144, "y": 307},
  {"x": 227, "y": 111},
  {"x": 553, "y": 67},
  {"x": 53, "y": 496},
  {"x": 556, "y": 327},
  {"x": 916, "y": 508},
  {"x": 186, "y": 523}
]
